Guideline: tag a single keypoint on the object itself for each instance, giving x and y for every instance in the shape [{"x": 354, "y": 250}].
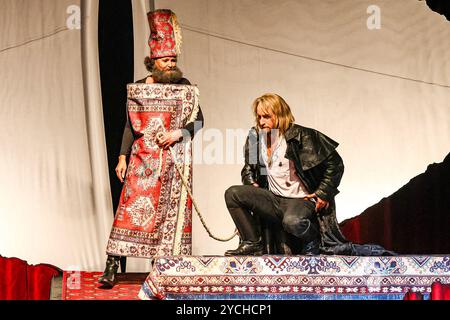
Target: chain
[{"x": 186, "y": 184}]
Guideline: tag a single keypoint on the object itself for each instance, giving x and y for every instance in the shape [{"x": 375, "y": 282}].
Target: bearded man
[{"x": 144, "y": 239}]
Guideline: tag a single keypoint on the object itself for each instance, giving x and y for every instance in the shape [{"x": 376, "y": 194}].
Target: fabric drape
[{"x": 21, "y": 281}]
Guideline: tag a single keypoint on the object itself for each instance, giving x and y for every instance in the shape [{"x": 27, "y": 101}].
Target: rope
[{"x": 186, "y": 184}]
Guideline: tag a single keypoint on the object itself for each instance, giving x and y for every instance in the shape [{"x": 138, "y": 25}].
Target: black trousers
[{"x": 294, "y": 214}]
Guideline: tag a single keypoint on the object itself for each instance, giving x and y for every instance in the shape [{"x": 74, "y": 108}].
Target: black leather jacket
[
  {"x": 320, "y": 168},
  {"x": 316, "y": 161}
]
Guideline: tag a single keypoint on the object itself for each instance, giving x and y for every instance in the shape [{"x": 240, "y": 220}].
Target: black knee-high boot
[
  {"x": 251, "y": 244},
  {"x": 311, "y": 240},
  {"x": 109, "y": 276}
]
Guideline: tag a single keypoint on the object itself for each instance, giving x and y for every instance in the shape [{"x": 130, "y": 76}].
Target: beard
[{"x": 170, "y": 76}]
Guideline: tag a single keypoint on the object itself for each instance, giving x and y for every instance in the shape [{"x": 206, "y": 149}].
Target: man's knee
[
  {"x": 232, "y": 195},
  {"x": 296, "y": 226}
]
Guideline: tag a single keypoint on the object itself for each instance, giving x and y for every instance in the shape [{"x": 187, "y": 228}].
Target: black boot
[
  {"x": 311, "y": 241},
  {"x": 311, "y": 248},
  {"x": 109, "y": 276},
  {"x": 307, "y": 231},
  {"x": 247, "y": 248}
]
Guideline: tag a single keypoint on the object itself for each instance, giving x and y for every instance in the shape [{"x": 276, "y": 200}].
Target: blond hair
[{"x": 272, "y": 103}]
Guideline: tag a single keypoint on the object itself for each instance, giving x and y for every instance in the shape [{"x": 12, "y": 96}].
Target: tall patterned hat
[{"x": 165, "y": 35}]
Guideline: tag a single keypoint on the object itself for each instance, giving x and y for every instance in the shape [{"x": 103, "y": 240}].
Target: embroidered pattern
[
  {"x": 154, "y": 212},
  {"x": 141, "y": 211},
  {"x": 218, "y": 277}
]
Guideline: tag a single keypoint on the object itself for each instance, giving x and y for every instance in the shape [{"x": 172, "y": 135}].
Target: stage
[{"x": 266, "y": 278}]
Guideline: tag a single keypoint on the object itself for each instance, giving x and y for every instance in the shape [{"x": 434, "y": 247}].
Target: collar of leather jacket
[{"x": 307, "y": 145}]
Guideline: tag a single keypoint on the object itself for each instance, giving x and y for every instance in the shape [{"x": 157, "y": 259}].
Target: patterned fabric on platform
[
  {"x": 294, "y": 277},
  {"x": 81, "y": 285},
  {"x": 154, "y": 212}
]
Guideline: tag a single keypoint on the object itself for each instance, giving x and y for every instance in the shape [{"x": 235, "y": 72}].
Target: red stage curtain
[
  {"x": 13, "y": 280},
  {"x": 440, "y": 291},
  {"x": 20, "y": 281},
  {"x": 413, "y": 296}
]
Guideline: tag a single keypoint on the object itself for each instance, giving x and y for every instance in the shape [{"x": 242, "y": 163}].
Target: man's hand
[
  {"x": 166, "y": 139},
  {"x": 320, "y": 204},
  {"x": 121, "y": 167},
  {"x": 255, "y": 185}
]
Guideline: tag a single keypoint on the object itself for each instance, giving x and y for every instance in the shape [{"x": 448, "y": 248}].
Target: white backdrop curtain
[
  {"x": 382, "y": 94},
  {"x": 55, "y": 198}
]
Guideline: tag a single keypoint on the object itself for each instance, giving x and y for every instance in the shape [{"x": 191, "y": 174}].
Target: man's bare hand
[
  {"x": 166, "y": 139},
  {"x": 320, "y": 204},
  {"x": 121, "y": 168}
]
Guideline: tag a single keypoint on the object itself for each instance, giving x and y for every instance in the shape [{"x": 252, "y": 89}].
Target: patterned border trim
[
  {"x": 168, "y": 91},
  {"x": 295, "y": 275},
  {"x": 288, "y": 297}
]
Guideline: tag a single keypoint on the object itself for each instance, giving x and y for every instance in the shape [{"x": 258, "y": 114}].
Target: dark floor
[{"x": 56, "y": 288}]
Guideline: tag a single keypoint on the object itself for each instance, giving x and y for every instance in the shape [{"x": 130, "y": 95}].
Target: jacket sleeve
[
  {"x": 249, "y": 171},
  {"x": 333, "y": 170}
]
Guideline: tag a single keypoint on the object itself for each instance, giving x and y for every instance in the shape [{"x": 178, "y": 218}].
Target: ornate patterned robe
[{"x": 154, "y": 215}]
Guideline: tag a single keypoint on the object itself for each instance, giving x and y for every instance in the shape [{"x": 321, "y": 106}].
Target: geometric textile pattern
[
  {"x": 82, "y": 285},
  {"x": 154, "y": 214},
  {"x": 293, "y": 277}
]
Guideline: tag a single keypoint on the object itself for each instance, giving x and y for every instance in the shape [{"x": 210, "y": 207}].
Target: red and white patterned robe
[{"x": 154, "y": 215}]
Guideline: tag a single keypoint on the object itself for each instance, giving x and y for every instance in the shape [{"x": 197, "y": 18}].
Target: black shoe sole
[
  {"x": 258, "y": 253},
  {"x": 106, "y": 283}
]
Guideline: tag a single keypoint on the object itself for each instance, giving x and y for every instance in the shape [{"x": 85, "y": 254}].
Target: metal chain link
[{"x": 183, "y": 180}]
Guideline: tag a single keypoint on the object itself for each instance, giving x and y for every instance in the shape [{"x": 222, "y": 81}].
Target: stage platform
[
  {"x": 266, "y": 278},
  {"x": 294, "y": 277}
]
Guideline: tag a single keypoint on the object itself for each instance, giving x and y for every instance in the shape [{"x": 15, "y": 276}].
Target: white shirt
[{"x": 283, "y": 180}]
